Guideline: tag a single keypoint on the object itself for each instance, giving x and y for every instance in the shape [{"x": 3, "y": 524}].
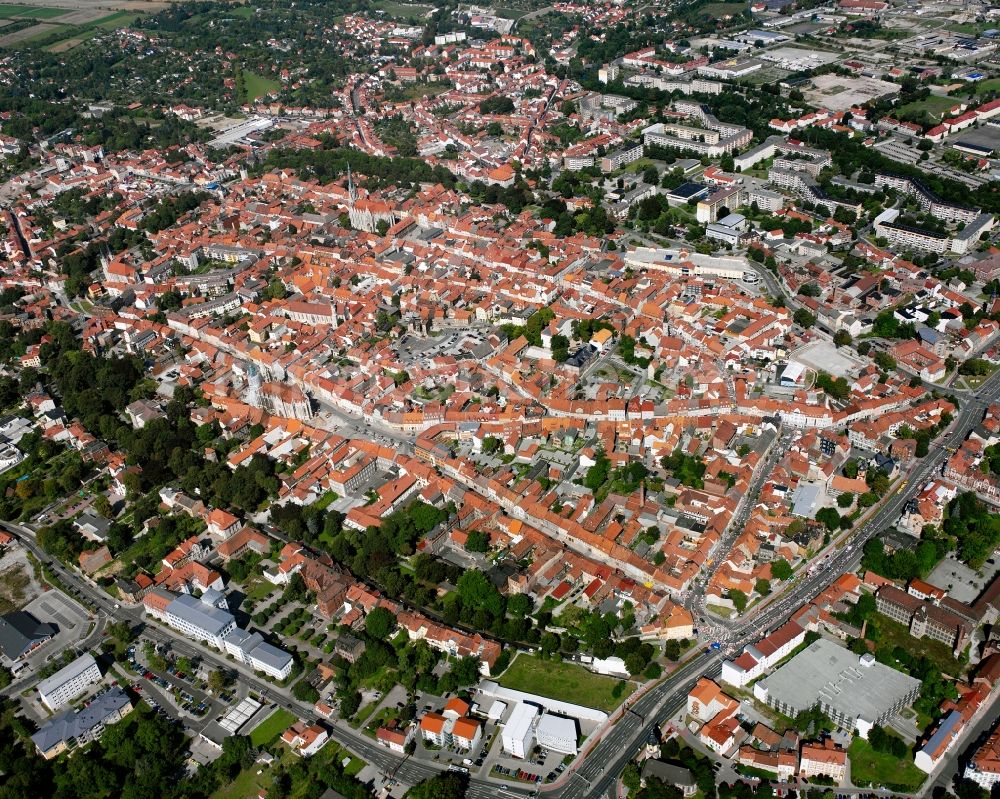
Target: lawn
[
  {"x": 247, "y": 785},
  {"x": 991, "y": 85},
  {"x": 869, "y": 766},
  {"x": 243, "y": 11},
  {"x": 271, "y": 727},
  {"x": 326, "y": 500},
  {"x": 639, "y": 166},
  {"x": 258, "y": 85},
  {"x": 933, "y": 104},
  {"x": 260, "y": 589},
  {"x": 564, "y": 681}
]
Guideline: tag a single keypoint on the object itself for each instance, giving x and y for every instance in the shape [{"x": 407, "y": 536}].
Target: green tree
[
  {"x": 739, "y": 599},
  {"x": 477, "y": 541},
  {"x": 304, "y": 692},
  {"x": 804, "y": 318},
  {"x": 217, "y": 680},
  {"x": 829, "y": 518},
  {"x": 447, "y": 785},
  {"x": 781, "y": 569},
  {"x": 466, "y": 670},
  {"x": 630, "y": 776},
  {"x": 560, "y": 348},
  {"x": 380, "y": 623}
]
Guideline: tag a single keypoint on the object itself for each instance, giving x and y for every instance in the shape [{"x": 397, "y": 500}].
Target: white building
[
  {"x": 203, "y": 621},
  {"x": 557, "y": 734},
  {"x": 758, "y": 658},
  {"x": 254, "y": 651},
  {"x": 518, "y": 733},
  {"x": 69, "y": 682}
]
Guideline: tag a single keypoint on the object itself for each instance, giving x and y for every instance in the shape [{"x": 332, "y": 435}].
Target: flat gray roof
[
  {"x": 829, "y": 674},
  {"x": 204, "y": 616},
  {"x": 271, "y": 655}
]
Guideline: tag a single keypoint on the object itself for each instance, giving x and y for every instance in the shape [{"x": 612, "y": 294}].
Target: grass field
[
  {"x": 243, "y": 11},
  {"x": 247, "y": 784},
  {"x": 258, "y": 85},
  {"x": 969, "y": 28},
  {"x": 117, "y": 20},
  {"x": 57, "y": 37},
  {"x": 722, "y": 9},
  {"x": 403, "y": 10},
  {"x": 415, "y": 91},
  {"x": 867, "y": 765},
  {"x": 44, "y": 13},
  {"x": 991, "y": 85},
  {"x": 14, "y": 584},
  {"x": 269, "y": 729},
  {"x": 565, "y": 681},
  {"x": 510, "y": 13},
  {"x": 934, "y": 105}
]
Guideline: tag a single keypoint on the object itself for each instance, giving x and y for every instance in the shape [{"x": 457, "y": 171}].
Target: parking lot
[
  {"x": 71, "y": 620},
  {"x": 172, "y": 691},
  {"x": 962, "y": 583}
]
